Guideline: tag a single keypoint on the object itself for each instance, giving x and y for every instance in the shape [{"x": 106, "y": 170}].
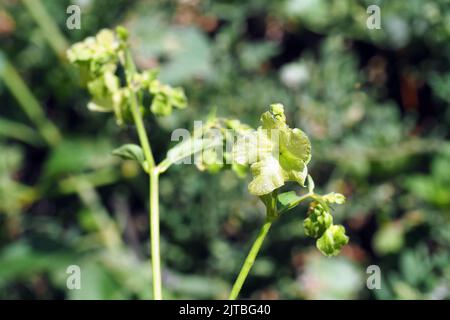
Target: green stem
[
  {"x": 48, "y": 26},
  {"x": 142, "y": 134},
  {"x": 249, "y": 261},
  {"x": 154, "y": 177},
  {"x": 154, "y": 234},
  {"x": 272, "y": 214}
]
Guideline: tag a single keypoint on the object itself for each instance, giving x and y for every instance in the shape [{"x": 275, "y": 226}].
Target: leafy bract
[
  {"x": 276, "y": 153},
  {"x": 131, "y": 152}
]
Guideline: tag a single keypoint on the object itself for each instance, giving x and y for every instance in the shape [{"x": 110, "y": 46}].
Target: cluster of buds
[{"x": 319, "y": 224}]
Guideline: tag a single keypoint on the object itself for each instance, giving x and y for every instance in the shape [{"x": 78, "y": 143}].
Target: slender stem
[
  {"x": 145, "y": 144},
  {"x": 272, "y": 214},
  {"x": 250, "y": 260},
  {"x": 154, "y": 177},
  {"x": 154, "y": 234},
  {"x": 137, "y": 116}
]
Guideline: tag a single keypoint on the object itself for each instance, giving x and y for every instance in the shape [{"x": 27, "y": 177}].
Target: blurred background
[{"x": 373, "y": 102}]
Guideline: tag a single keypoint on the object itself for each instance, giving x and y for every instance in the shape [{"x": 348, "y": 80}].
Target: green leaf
[
  {"x": 332, "y": 240},
  {"x": 287, "y": 198},
  {"x": 130, "y": 152},
  {"x": 287, "y": 201}
]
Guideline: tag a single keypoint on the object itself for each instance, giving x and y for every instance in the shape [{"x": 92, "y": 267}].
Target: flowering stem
[
  {"x": 154, "y": 232},
  {"x": 249, "y": 261},
  {"x": 154, "y": 177},
  {"x": 272, "y": 214}
]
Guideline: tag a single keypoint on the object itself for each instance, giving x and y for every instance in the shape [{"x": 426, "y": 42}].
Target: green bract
[
  {"x": 275, "y": 152},
  {"x": 332, "y": 240}
]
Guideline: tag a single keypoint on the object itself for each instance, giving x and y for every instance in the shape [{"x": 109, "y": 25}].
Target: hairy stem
[{"x": 249, "y": 261}]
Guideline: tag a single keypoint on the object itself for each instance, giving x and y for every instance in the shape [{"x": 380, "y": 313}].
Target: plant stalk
[
  {"x": 154, "y": 234},
  {"x": 153, "y": 172},
  {"x": 250, "y": 260}
]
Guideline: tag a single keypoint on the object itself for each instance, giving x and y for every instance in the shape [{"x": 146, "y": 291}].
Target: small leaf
[
  {"x": 287, "y": 198},
  {"x": 130, "y": 152}
]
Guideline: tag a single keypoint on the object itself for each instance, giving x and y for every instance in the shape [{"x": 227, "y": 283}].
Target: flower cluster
[
  {"x": 319, "y": 224},
  {"x": 276, "y": 153},
  {"x": 101, "y": 59}
]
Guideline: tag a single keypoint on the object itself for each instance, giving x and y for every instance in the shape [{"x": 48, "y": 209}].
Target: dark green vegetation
[{"x": 373, "y": 102}]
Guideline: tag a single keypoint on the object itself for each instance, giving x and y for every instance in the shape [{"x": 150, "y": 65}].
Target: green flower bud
[
  {"x": 318, "y": 221},
  {"x": 333, "y": 239},
  {"x": 122, "y": 33},
  {"x": 165, "y": 98},
  {"x": 334, "y": 197}
]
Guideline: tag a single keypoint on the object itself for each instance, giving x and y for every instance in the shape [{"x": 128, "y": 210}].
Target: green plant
[
  {"x": 278, "y": 154},
  {"x": 100, "y": 59},
  {"x": 275, "y": 153}
]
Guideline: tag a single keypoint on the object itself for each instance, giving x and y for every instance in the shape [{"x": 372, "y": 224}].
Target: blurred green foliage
[{"x": 373, "y": 102}]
